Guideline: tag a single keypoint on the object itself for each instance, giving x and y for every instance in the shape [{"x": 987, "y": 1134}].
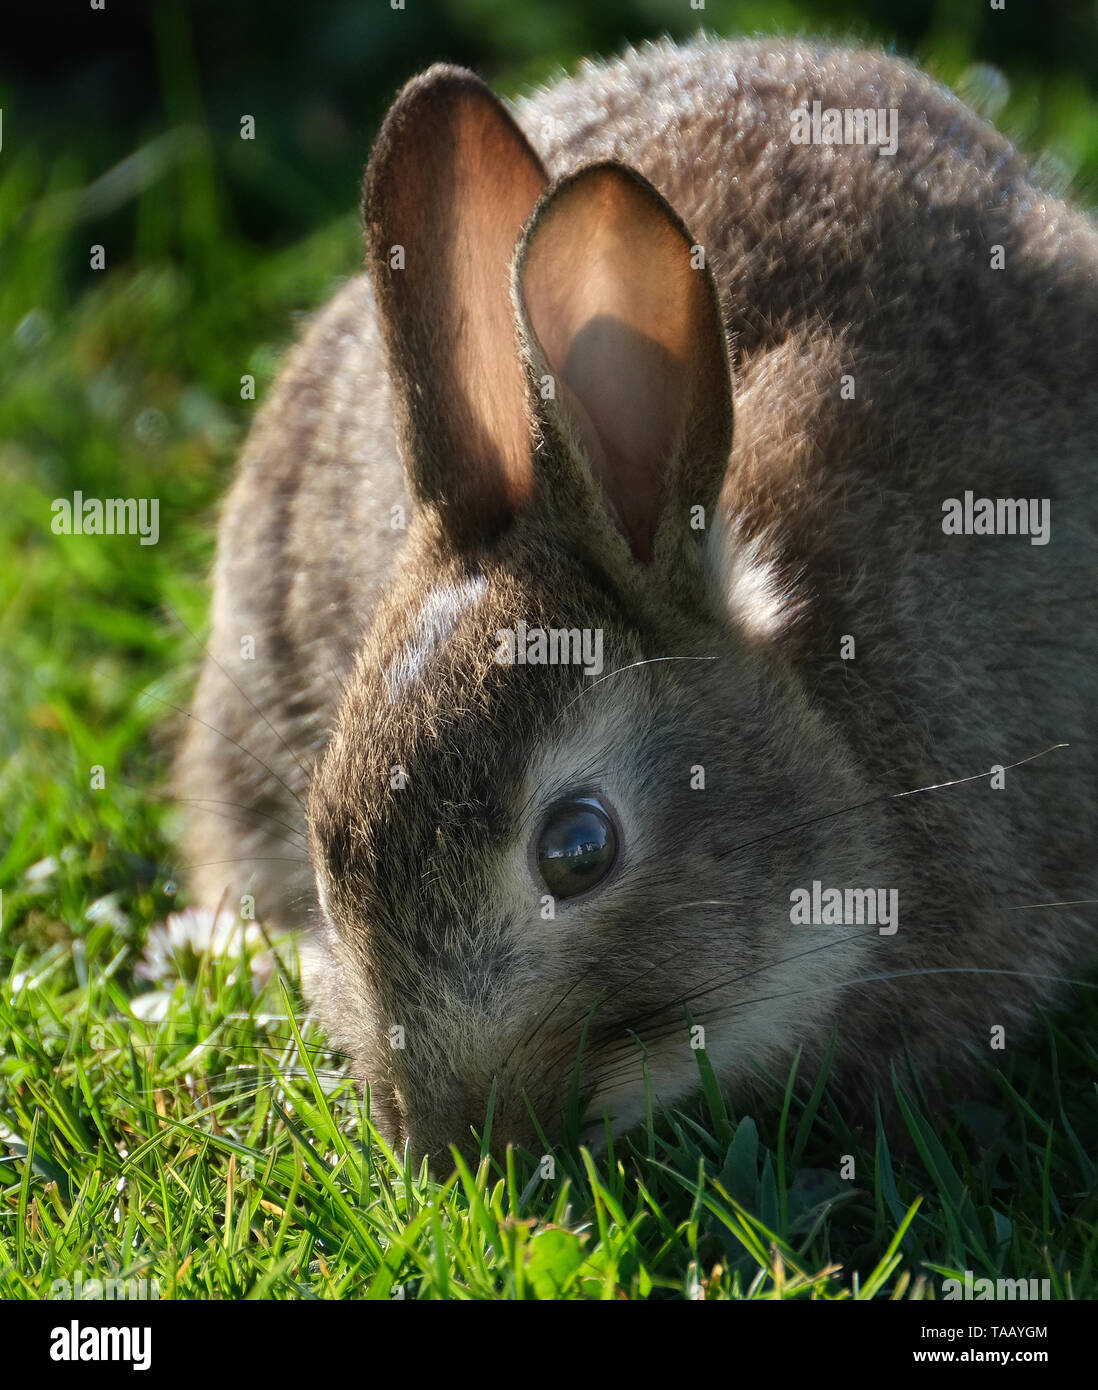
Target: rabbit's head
[{"x": 550, "y": 831}]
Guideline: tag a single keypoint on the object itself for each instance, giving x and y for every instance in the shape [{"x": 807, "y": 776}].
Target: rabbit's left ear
[
  {"x": 451, "y": 182},
  {"x": 623, "y": 310}
]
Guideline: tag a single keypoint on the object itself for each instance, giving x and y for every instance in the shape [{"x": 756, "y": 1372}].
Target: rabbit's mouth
[{"x": 592, "y": 1135}]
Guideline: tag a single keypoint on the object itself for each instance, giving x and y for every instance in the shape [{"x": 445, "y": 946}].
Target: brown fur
[{"x": 971, "y": 651}]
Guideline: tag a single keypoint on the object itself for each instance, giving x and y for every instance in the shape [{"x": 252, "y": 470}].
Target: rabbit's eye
[{"x": 577, "y": 848}]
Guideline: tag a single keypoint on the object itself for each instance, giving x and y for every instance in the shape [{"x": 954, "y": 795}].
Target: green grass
[
  {"x": 221, "y": 1152},
  {"x": 215, "y": 1148}
]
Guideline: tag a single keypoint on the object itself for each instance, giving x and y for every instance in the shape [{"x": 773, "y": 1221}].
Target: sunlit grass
[{"x": 218, "y": 1149}]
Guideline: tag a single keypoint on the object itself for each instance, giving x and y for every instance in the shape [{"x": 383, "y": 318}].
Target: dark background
[{"x": 93, "y": 86}]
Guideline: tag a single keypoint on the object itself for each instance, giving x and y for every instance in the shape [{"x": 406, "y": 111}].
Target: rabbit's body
[{"x": 840, "y": 271}]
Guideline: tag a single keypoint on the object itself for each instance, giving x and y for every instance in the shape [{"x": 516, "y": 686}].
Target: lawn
[{"x": 174, "y": 1117}]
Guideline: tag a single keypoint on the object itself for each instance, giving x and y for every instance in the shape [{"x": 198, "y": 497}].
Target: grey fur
[{"x": 971, "y": 651}]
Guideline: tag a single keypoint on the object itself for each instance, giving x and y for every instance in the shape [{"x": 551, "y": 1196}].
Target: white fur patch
[
  {"x": 438, "y": 616},
  {"x": 749, "y": 584}
]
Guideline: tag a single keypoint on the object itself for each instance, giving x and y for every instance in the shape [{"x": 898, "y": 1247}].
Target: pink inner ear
[
  {"x": 627, "y": 325},
  {"x": 496, "y": 183},
  {"x": 453, "y": 181},
  {"x": 629, "y": 387}
]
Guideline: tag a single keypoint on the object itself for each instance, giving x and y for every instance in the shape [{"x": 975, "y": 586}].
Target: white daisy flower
[{"x": 173, "y": 950}]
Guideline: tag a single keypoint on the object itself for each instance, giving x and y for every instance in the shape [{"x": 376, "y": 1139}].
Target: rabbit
[{"x": 593, "y": 603}]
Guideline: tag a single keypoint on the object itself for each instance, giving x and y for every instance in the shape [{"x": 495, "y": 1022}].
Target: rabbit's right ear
[
  {"x": 450, "y": 184},
  {"x": 622, "y": 323}
]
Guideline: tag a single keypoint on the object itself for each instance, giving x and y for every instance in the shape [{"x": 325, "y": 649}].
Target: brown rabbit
[{"x": 610, "y": 742}]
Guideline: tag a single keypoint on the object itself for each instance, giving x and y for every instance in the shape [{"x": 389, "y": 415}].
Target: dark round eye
[{"x": 576, "y": 848}]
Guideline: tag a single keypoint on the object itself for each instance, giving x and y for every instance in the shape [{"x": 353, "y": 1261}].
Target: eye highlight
[{"x": 577, "y": 847}]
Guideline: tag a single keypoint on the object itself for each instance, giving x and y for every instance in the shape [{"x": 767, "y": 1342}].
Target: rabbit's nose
[
  {"x": 388, "y": 1115},
  {"x": 440, "y": 1116}
]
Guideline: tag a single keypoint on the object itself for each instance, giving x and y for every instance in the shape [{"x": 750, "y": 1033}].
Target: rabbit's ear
[
  {"x": 626, "y": 315},
  {"x": 450, "y": 184}
]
